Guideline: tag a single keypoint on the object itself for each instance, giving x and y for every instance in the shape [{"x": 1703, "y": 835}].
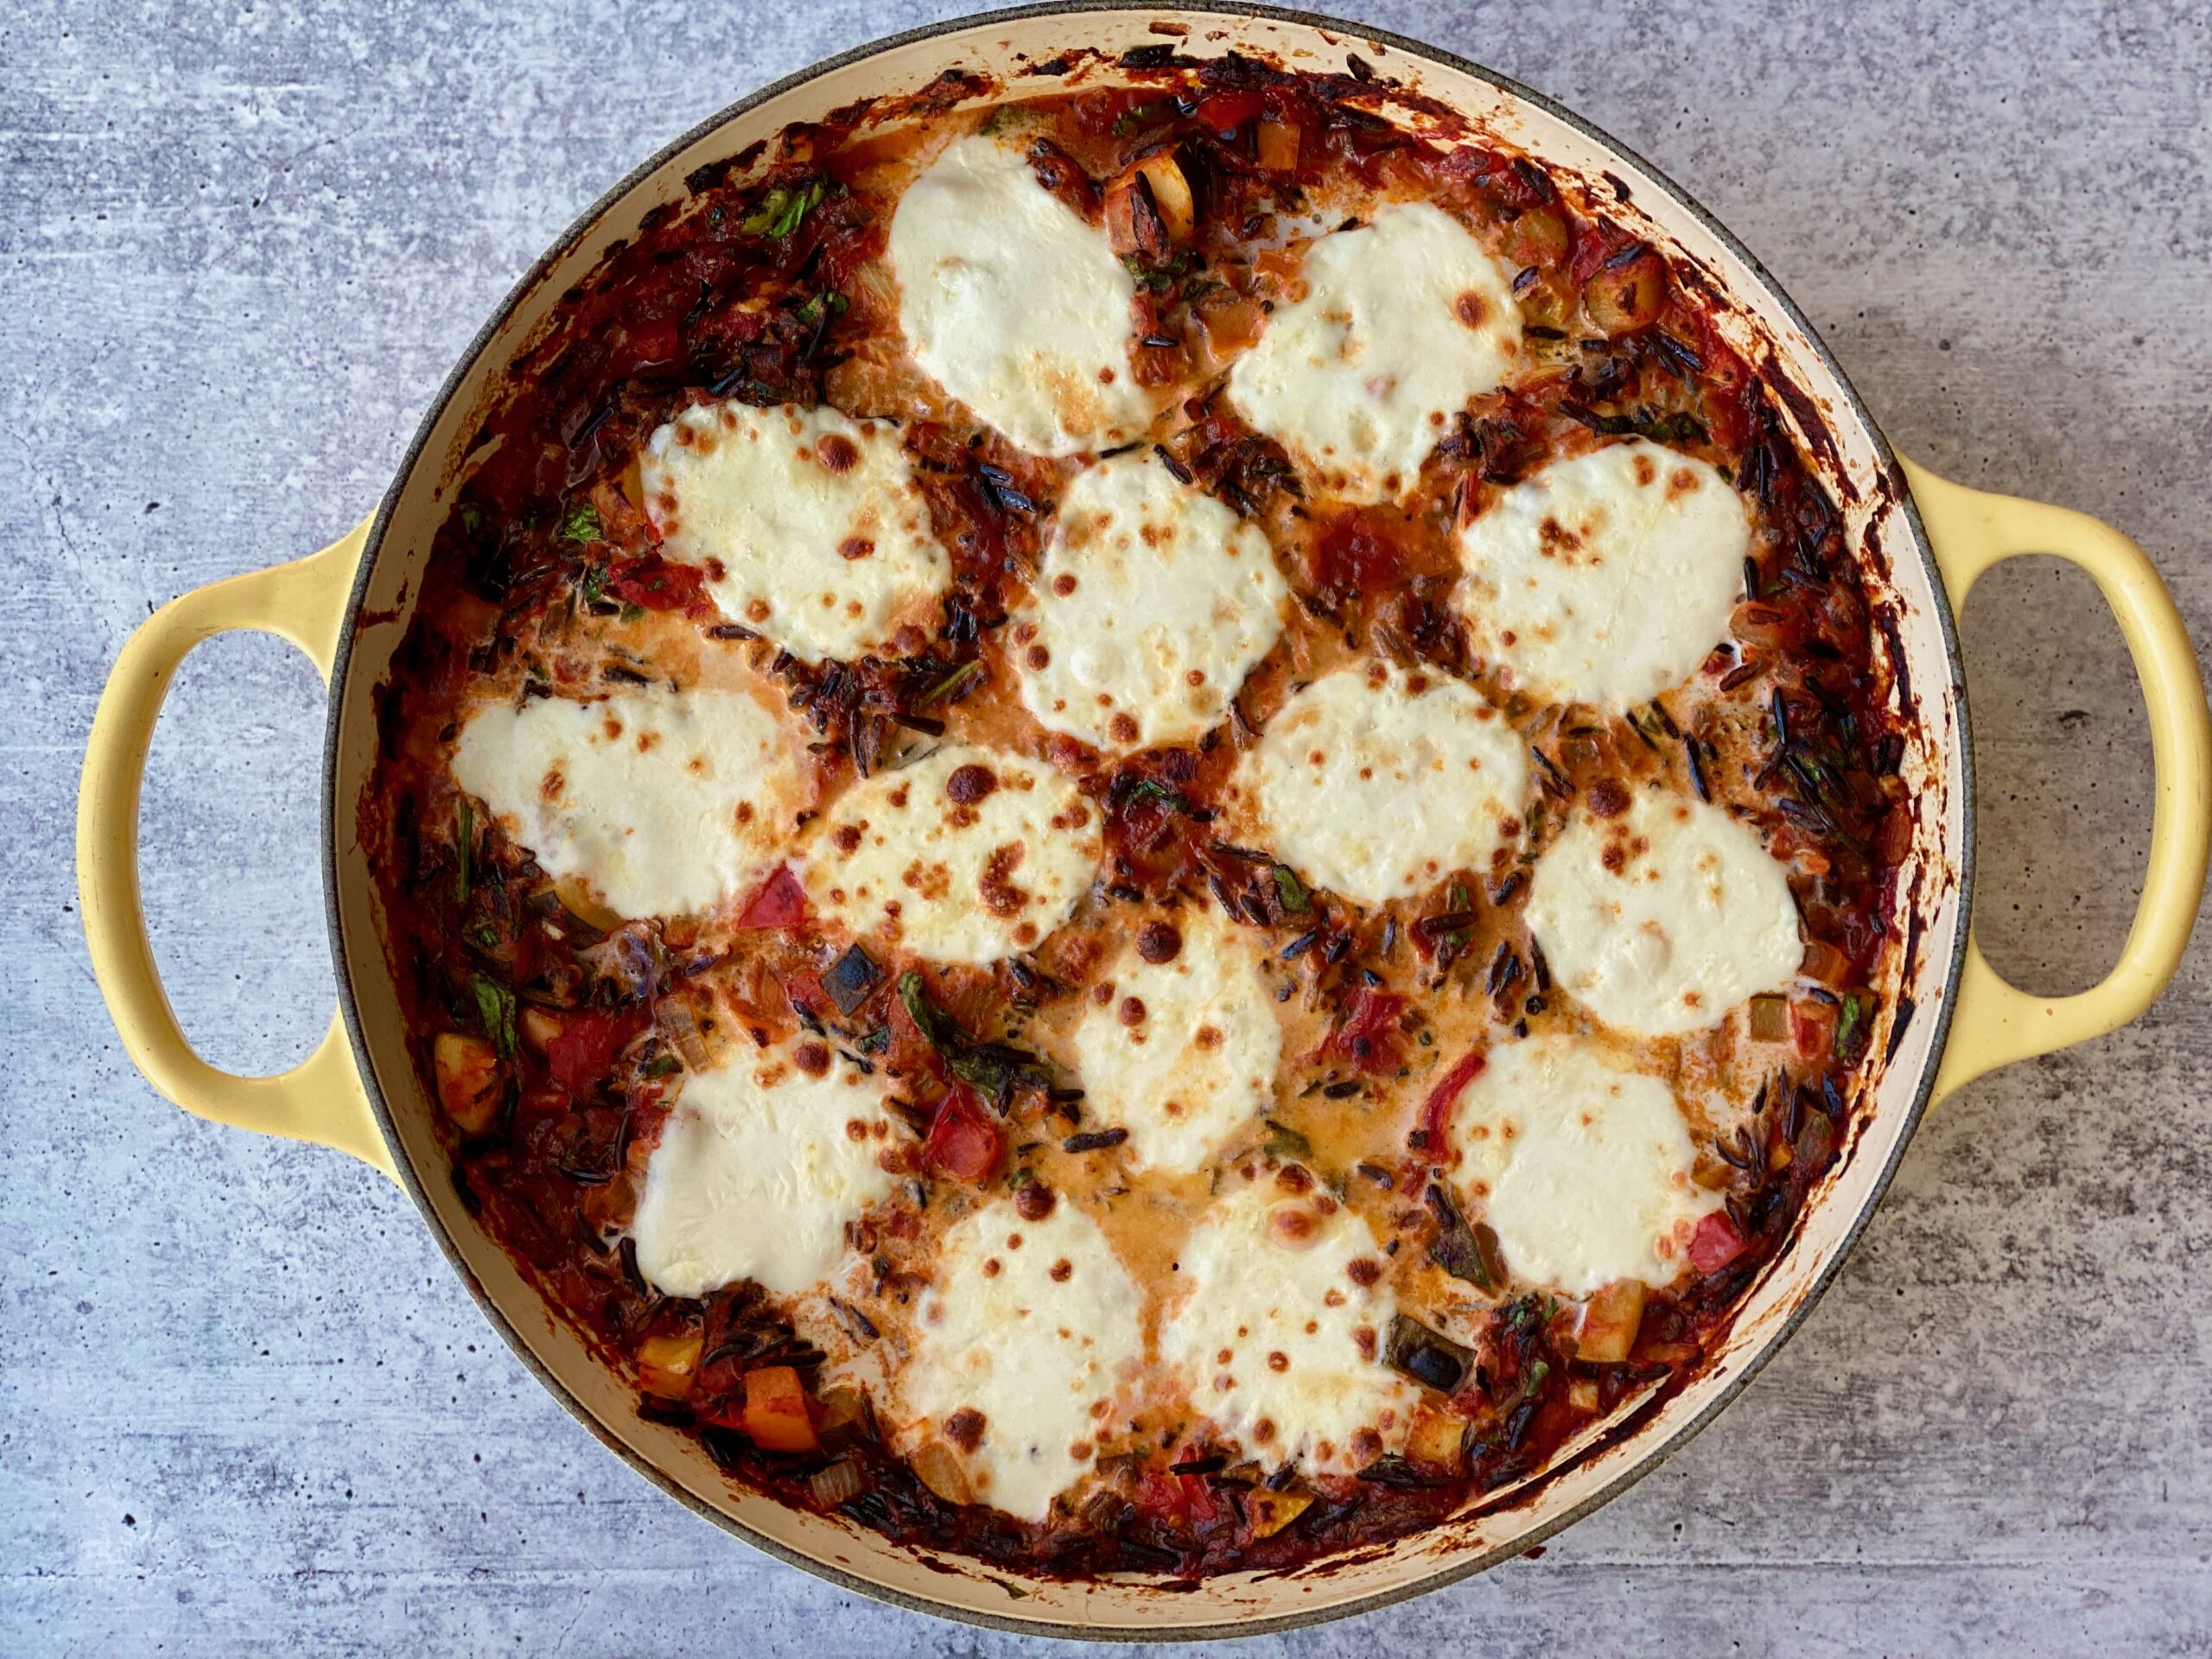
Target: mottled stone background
[{"x": 243, "y": 1406}]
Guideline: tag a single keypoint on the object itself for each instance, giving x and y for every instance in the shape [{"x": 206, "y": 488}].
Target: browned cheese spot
[
  {"x": 1001, "y": 897},
  {"x": 1608, "y": 797},
  {"x": 1033, "y": 1200},
  {"x": 1159, "y": 942},
  {"x": 970, "y": 784}
]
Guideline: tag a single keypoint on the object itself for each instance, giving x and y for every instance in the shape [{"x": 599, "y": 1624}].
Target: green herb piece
[
  {"x": 829, "y": 301},
  {"x": 951, "y": 683},
  {"x": 633, "y": 612},
  {"x": 781, "y": 211},
  {"x": 993, "y": 121},
  {"x": 1659, "y": 429},
  {"x": 1534, "y": 1384},
  {"x": 661, "y": 1065},
  {"x": 582, "y": 524},
  {"x": 1284, "y": 1144},
  {"x": 495, "y": 1012},
  {"x": 1291, "y": 891},
  {"x": 486, "y": 937},
  {"x": 1851, "y": 1026},
  {"x": 1130, "y": 120},
  {"x": 595, "y": 583},
  {"x": 1151, "y": 789},
  {"x": 1164, "y": 276},
  {"x": 1675, "y": 429},
  {"x": 472, "y": 518},
  {"x": 1525, "y": 1315},
  {"x": 465, "y": 846}
]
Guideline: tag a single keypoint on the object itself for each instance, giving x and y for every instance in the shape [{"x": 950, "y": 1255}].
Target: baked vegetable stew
[{"x": 1149, "y": 830}]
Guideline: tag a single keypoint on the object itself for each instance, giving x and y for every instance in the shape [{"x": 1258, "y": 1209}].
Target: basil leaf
[{"x": 495, "y": 1012}]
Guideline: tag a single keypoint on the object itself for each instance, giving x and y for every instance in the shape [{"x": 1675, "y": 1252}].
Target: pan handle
[
  {"x": 321, "y": 1098},
  {"x": 1993, "y": 1023}
]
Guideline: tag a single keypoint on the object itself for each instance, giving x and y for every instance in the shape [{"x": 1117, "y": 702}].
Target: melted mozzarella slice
[
  {"x": 1014, "y": 304},
  {"x": 1580, "y": 1166},
  {"x": 757, "y": 1170},
  {"x": 967, "y": 855},
  {"x": 1031, "y": 1326},
  {"x": 1180, "y": 1052},
  {"x": 1661, "y": 920},
  {"x": 810, "y": 526},
  {"x": 1401, "y": 321},
  {"x": 661, "y": 802},
  {"x": 1606, "y": 578},
  {"x": 1155, "y": 602},
  {"x": 1274, "y": 1338},
  {"x": 1376, "y": 790}
]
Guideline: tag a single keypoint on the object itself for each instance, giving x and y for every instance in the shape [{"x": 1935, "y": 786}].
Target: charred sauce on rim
[{"x": 545, "y": 580}]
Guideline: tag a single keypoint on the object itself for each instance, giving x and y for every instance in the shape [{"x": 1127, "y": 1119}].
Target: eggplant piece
[
  {"x": 850, "y": 979},
  {"x": 1432, "y": 1360}
]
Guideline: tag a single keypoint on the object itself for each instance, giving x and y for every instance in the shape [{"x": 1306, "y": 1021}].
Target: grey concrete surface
[{"x": 244, "y": 1407}]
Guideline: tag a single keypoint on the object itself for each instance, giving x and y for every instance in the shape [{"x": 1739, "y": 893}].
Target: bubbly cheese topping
[
  {"x": 1179, "y": 1051},
  {"x": 661, "y": 802},
  {"x": 1155, "y": 601},
  {"x": 1014, "y": 304},
  {"x": 1580, "y": 1166},
  {"x": 758, "y": 1168},
  {"x": 1606, "y": 579},
  {"x": 1030, "y": 1325},
  {"x": 1661, "y": 920},
  {"x": 810, "y": 526},
  {"x": 967, "y": 855},
  {"x": 1377, "y": 790},
  {"x": 1401, "y": 321},
  {"x": 1274, "y": 1337}
]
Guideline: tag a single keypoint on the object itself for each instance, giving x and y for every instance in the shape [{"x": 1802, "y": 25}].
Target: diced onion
[
  {"x": 936, "y": 1467},
  {"x": 675, "y": 1019},
  {"x": 1277, "y": 146},
  {"x": 839, "y": 1483}
]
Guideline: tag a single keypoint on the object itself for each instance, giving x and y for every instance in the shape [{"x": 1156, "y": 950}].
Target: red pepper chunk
[
  {"x": 1185, "y": 1502},
  {"x": 583, "y": 1053},
  {"x": 652, "y": 344},
  {"x": 1715, "y": 1243},
  {"x": 964, "y": 1142},
  {"x": 1368, "y": 1039},
  {"x": 660, "y": 584},
  {"x": 1436, "y": 1110},
  {"x": 1224, "y": 112},
  {"x": 781, "y": 902}
]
